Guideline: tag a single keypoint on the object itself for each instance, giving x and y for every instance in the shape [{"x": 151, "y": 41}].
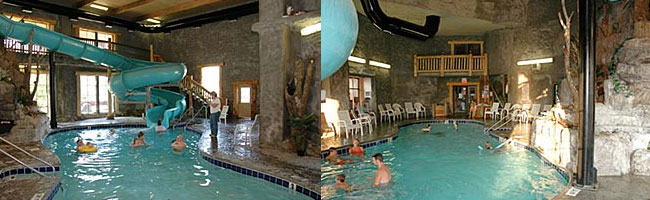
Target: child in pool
[
  {"x": 333, "y": 157},
  {"x": 356, "y": 149},
  {"x": 487, "y": 145},
  {"x": 456, "y": 126},
  {"x": 88, "y": 144},
  {"x": 341, "y": 184},
  {"x": 427, "y": 128},
  {"x": 112, "y": 131},
  {"x": 80, "y": 142},
  {"x": 139, "y": 141}
]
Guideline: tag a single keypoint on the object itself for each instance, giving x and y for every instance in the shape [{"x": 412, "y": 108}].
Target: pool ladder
[
  {"x": 180, "y": 119},
  {"x": 502, "y": 122},
  {"x": 29, "y": 154}
]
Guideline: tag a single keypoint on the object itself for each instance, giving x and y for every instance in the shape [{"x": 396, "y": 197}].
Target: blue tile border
[
  {"x": 10, "y": 172},
  {"x": 560, "y": 170},
  {"x": 220, "y": 163}
]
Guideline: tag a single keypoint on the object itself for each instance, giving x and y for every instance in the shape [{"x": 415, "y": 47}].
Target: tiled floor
[{"x": 26, "y": 188}]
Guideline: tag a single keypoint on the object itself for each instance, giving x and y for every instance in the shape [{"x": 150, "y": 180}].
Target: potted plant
[{"x": 296, "y": 95}]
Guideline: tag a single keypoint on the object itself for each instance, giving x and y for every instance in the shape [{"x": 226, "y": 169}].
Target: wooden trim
[
  {"x": 50, "y": 22},
  {"x": 77, "y": 29},
  {"x": 177, "y": 8},
  {"x": 235, "y": 88},
  {"x": 84, "y": 3},
  {"x": 127, "y": 7},
  {"x": 451, "y": 86}
]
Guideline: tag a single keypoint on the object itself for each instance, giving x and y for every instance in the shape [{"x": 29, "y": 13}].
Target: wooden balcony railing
[
  {"x": 470, "y": 64},
  {"x": 194, "y": 88}
]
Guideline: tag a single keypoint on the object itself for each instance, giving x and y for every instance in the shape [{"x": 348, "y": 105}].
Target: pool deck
[{"x": 609, "y": 187}]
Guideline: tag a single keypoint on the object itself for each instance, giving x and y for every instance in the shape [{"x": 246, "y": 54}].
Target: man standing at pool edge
[
  {"x": 215, "y": 112},
  {"x": 383, "y": 173}
]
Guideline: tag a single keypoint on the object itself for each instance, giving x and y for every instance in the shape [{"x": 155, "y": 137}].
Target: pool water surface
[
  {"x": 118, "y": 171},
  {"x": 445, "y": 164}
]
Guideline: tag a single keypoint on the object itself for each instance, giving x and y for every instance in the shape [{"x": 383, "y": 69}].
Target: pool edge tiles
[
  {"x": 265, "y": 176},
  {"x": 343, "y": 150}
]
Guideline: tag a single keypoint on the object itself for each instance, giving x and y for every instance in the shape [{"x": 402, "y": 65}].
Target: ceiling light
[
  {"x": 153, "y": 21},
  {"x": 535, "y": 61},
  {"x": 356, "y": 59},
  {"x": 109, "y": 26},
  {"x": 27, "y": 10},
  {"x": 378, "y": 64},
  {"x": 100, "y": 7},
  {"x": 310, "y": 29},
  {"x": 93, "y": 14},
  {"x": 90, "y": 20}
]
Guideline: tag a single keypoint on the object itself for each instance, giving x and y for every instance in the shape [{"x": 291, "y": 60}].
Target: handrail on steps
[
  {"x": 29, "y": 154},
  {"x": 22, "y": 163}
]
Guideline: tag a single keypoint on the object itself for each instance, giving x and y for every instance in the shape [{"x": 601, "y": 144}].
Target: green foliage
[
  {"x": 612, "y": 70},
  {"x": 4, "y": 77},
  {"x": 305, "y": 123}
]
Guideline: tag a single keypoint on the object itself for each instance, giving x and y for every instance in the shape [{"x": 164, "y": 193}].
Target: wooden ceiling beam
[
  {"x": 127, "y": 7},
  {"x": 177, "y": 8},
  {"x": 84, "y": 3}
]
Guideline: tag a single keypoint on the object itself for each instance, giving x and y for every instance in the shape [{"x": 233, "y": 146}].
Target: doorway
[
  {"x": 461, "y": 96},
  {"x": 245, "y": 93}
]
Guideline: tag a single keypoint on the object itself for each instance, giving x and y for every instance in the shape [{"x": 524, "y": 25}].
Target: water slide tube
[{"x": 133, "y": 75}]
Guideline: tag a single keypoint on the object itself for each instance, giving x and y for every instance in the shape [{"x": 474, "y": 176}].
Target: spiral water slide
[{"x": 133, "y": 76}]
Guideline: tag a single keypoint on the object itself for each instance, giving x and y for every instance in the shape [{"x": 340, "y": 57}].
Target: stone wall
[
  {"x": 622, "y": 123},
  {"x": 555, "y": 142},
  {"x": 7, "y": 105},
  {"x": 230, "y": 42}
]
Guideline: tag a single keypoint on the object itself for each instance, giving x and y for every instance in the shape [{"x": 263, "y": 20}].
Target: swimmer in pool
[
  {"x": 160, "y": 128},
  {"x": 178, "y": 144},
  {"x": 456, "y": 126},
  {"x": 382, "y": 176},
  {"x": 88, "y": 144},
  {"x": 139, "y": 141},
  {"x": 487, "y": 145},
  {"x": 333, "y": 157},
  {"x": 112, "y": 131},
  {"x": 356, "y": 149},
  {"x": 80, "y": 142},
  {"x": 341, "y": 184},
  {"x": 427, "y": 128}
]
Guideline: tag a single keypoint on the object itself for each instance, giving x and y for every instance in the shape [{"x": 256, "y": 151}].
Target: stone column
[{"x": 273, "y": 48}]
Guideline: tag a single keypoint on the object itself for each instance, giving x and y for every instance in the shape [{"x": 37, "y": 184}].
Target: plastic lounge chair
[
  {"x": 493, "y": 112},
  {"x": 248, "y": 130},
  {"x": 348, "y": 124},
  {"x": 505, "y": 110},
  {"x": 384, "y": 113},
  {"x": 534, "y": 112},
  {"x": 224, "y": 114},
  {"x": 363, "y": 120},
  {"x": 546, "y": 108},
  {"x": 390, "y": 108},
  {"x": 410, "y": 110},
  {"x": 422, "y": 111},
  {"x": 399, "y": 107}
]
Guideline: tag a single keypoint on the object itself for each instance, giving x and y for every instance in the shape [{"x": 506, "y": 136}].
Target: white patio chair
[
  {"x": 349, "y": 124},
  {"x": 410, "y": 110},
  {"x": 514, "y": 112},
  {"x": 224, "y": 114},
  {"x": 397, "y": 111},
  {"x": 505, "y": 110},
  {"x": 363, "y": 120},
  {"x": 390, "y": 108},
  {"x": 399, "y": 107},
  {"x": 493, "y": 111},
  {"x": 422, "y": 111},
  {"x": 370, "y": 115},
  {"x": 546, "y": 108},
  {"x": 521, "y": 115},
  {"x": 534, "y": 112},
  {"x": 384, "y": 113}
]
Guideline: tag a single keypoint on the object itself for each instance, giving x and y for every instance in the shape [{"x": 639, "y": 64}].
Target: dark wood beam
[
  {"x": 177, "y": 8},
  {"x": 84, "y": 3},
  {"x": 127, "y": 7}
]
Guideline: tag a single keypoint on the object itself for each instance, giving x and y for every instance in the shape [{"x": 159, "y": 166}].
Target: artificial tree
[{"x": 296, "y": 95}]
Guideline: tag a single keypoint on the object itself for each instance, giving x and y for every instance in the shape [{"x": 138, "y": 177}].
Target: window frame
[
  {"x": 78, "y": 29},
  {"x": 96, "y": 75},
  {"x": 220, "y": 65}
]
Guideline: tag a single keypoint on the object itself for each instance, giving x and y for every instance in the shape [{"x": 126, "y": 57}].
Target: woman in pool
[
  {"x": 139, "y": 141},
  {"x": 333, "y": 158},
  {"x": 160, "y": 128},
  {"x": 178, "y": 144},
  {"x": 356, "y": 149},
  {"x": 427, "y": 128},
  {"x": 487, "y": 145}
]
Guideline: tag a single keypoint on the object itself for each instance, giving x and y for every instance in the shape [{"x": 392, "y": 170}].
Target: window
[
  {"x": 245, "y": 95},
  {"x": 41, "y": 96},
  {"x": 211, "y": 78},
  {"x": 14, "y": 45},
  {"x": 354, "y": 89},
  {"x": 98, "y": 38},
  {"x": 93, "y": 94}
]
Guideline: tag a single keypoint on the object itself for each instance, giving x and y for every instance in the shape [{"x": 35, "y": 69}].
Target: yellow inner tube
[{"x": 87, "y": 149}]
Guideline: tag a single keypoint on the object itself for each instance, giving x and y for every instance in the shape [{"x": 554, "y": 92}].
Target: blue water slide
[{"x": 133, "y": 75}]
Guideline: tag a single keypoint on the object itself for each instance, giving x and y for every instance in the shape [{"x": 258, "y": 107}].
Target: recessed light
[
  {"x": 356, "y": 59},
  {"x": 100, "y": 7},
  {"x": 379, "y": 64},
  {"x": 535, "y": 61},
  {"x": 27, "y": 10},
  {"x": 153, "y": 21}
]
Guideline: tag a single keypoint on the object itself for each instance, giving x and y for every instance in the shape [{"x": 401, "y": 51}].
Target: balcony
[{"x": 454, "y": 65}]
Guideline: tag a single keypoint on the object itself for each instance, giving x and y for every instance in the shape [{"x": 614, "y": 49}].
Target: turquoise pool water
[
  {"x": 117, "y": 171},
  {"x": 447, "y": 165}
]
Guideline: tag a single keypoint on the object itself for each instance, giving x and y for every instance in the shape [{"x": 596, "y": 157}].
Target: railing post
[
  {"x": 442, "y": 65},
  {"x": 471, "y": 63},
  {"x": 485, "y": 64},
  {"x": 151, "y": 52},
  {"x": 415, "y": 65}
]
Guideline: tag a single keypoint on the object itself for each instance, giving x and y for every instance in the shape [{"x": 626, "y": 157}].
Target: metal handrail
[
  {"x": 22, "y": 163},
  {"x": 502, "y": 122},
  {"x": 29, "y": 154},
  {"x": 195, "y": 114}
]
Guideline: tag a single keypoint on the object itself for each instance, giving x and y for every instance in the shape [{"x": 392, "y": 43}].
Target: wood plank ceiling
[{"x": 141, "y": 10}]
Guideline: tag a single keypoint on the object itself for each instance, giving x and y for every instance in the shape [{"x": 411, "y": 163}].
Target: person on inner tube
[
  {"x": 427, "y": 128},
  {"x": 487, "y": 145}
]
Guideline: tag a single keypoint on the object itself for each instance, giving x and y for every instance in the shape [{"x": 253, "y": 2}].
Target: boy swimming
[
  {"x": 427, "y": 128},
  {"x": 341, "y": 184}
]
